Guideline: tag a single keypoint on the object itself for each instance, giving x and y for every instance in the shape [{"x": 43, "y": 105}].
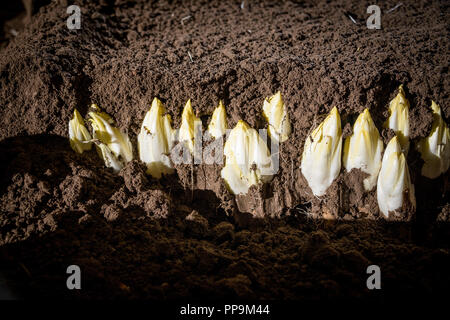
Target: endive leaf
[
  {"x": 116, "y": 141},
  {"x": 187, "y": 129},
  {"x": 80, "y": 139},
  {"x": 394, "y": 180},
  {"x": 321, "y": 158},
  {"x": 362, "y": 150},
  {"x": 247, "y": 159},
  {"x": 399, "y": 118},
  {"x": 108, "y": 157},
  {"x": 435, "y": 149},
  {"x": 218, "y": 125},
  {"x": 275, "y": 113},
  {"x": 155, "y": 140}
]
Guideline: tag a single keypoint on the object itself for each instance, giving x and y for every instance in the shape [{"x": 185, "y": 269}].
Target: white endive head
[
  {"x": 394, "y": 181},
  {"x": 80, "y": 139},
  {"x": 362, "y": 150},
  {"x": 435, "y": 149},
  {"x": 321, "y": 159},
  {"x": 116, "y": 141},
  {"x": 218, "y": 125},
  {"x": 155, "y": 140},
  {"x": 275, "y": 112},
  {"x": 247, "y": 159},
  {"x": 187, "y": 129},
  {"x": 399, "y": 118}
]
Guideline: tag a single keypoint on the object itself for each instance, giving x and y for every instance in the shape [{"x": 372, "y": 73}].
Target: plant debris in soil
[{"x": 186, "y": 236}]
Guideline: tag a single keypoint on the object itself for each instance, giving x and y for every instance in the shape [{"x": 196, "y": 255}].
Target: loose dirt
[{"x": 186, "y": 235}]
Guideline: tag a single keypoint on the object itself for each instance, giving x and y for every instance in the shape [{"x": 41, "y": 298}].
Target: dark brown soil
[{"x": 185, "y": 236}]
